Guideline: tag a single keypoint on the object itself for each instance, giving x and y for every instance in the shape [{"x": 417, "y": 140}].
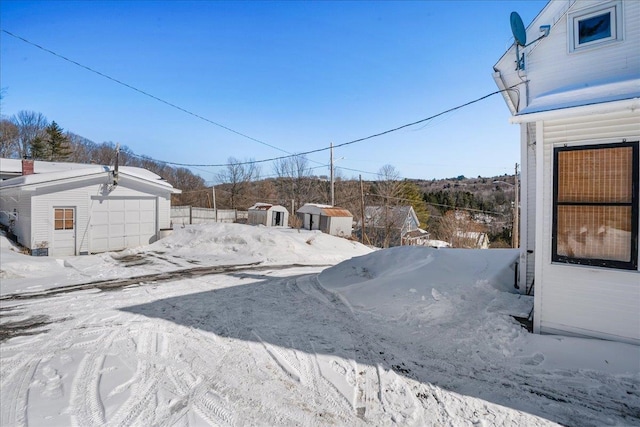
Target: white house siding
[
  {"x": 527, "y": 206},
  {"x": 22, "y": 204},
  {"x": 599, "y": 302},
  {"x": 550, "y": 65},
  {"x": 164, "y": 211},
  {"x": 44, "y": 201}
]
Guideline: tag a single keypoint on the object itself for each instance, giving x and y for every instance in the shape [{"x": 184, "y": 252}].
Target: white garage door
[{"x": 120, "y": 223}]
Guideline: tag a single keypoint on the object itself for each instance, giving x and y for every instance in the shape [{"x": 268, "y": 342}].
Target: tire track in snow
[
  {"x": 145, "y": 385},
  {"x": 87, "y": 407},
  {"x": 281, "y": 359},
  {"x": 14, "y": 407}
]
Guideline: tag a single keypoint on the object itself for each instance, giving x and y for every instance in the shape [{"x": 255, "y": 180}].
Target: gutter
[{"x": 497, "y": 77}]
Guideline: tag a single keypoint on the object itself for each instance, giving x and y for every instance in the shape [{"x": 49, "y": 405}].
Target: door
[
  {"x": 64, "y": 231},
  {"x": 122, "y": 222},
  {"x": 277, "y": 219}
]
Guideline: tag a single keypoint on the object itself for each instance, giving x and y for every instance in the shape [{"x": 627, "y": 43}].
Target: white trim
[{"x": 540, "y": 251}]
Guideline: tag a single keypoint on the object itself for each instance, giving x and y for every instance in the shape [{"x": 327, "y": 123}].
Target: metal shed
[
  {"x": 268, "y": 215},
  {"x": 328, "y": 219}
]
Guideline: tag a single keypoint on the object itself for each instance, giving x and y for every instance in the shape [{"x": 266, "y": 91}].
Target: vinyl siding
[
  {"x": 528, "y": 206},
  {"x": 45, "y": 200},
  {"x": 599, "y": 302},
  {"x": 35, "y": 208},
  {"x": 164, "y": 212},
  {"x": 550, "y": 65}
]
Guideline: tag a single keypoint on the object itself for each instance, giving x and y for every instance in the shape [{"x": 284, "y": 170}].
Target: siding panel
[{"x": 593, "y": 301}]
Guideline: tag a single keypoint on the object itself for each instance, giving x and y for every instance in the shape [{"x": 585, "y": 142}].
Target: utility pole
[
  {"x": 516, "y": 222},
  {"x": 362, "y": 228},
  {"x": 215, "y": 210},
  {"x": 333, "y": 201}
]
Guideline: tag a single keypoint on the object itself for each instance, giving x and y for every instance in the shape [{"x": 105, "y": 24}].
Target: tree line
[{"x": 291, "y": 181}]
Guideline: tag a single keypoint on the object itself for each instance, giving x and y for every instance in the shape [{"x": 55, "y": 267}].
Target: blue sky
[{"x": 295, "y": 75}]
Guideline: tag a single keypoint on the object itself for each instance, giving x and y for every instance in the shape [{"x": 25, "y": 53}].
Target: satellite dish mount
[{"x": 520, "y": 36}]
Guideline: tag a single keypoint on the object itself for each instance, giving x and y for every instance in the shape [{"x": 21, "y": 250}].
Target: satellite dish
[{"x": 518, "y": 30}]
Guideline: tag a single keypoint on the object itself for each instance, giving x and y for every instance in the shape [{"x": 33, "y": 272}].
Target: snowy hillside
[{"x": 238, "y": 325}]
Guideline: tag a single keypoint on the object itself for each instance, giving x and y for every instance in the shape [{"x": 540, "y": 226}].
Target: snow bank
[
  {"x": 188, "y": 247},
  {"x": 461, "y": 302},
  {"x": 395, "y": 279},
  {"x": 246, "y": 243}
]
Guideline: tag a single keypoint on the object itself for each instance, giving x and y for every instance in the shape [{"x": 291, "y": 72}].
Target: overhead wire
[
  {"x": 289, "y": 155},
  {"x": 303, "y": 153},
  {"x": 120, "y": 82}
]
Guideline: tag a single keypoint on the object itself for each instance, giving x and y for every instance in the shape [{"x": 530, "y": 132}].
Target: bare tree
[
  {"x": 385, "y": 218},
  {"x": 31, "y": 125},
  {"x": 9, "y": 142},
  {"x": 459, "y": 229},
  {"x": 295, "y": 182},
  {"x": 239, "y": 175}
]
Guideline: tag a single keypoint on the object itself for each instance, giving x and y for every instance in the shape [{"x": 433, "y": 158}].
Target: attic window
[
  {"x": 595, "y": 26},
  {"x": 595, "y": 205}
]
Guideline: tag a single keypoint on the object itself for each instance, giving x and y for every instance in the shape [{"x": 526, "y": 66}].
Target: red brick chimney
[{"x": 27, "y": 167}]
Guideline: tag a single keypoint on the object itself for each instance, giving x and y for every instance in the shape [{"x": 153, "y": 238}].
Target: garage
[
  {"x": 74, "y": 209},
  {"x": 117, "y": 223}
]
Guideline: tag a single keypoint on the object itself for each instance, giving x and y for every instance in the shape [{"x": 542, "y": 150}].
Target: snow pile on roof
[
  {"x": 586, "y": 94},
  {"x": 52, "y": 171},
  {"x": 54, "y": 176}
]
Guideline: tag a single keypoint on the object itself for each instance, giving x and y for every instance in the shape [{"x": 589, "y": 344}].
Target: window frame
[
  {"x": 616, "y": 23},
  {"x": 632, "y": 264},
  {"x": 64, "y": 219}
]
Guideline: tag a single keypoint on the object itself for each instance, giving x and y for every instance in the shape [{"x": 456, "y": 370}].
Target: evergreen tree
[
  {"x": 59, "y": 147},
  {"x": 38, "y": 148},
  {"x": 411, "y": 192}
]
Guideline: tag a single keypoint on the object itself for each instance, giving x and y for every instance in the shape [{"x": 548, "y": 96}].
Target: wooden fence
[{"x": 195, "y": 215}]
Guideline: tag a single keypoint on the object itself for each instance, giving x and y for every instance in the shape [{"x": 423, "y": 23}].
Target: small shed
[
  {"x": 74, "y": 211},
  {"x": 268, "y": 215},
  {"x": 328, "y": 219}
]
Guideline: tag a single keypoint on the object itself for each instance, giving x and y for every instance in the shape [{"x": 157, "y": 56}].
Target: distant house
[
  {"x": 70, "y": 209},
  {"x": 268, "y": 215},
  {"x": 471, "y": 240},
  {"x": 328, "y": 219},
  {"x": 387, "y": 226},
  {"x": 576, "y": 95},
  {"x": 417, "y": 237}
]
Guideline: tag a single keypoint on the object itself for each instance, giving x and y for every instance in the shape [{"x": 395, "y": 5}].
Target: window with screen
[
  {"x": 63, "y": 218},
  {"x": 595, "y": 205}
]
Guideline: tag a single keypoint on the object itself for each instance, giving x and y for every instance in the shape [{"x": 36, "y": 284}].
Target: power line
[
  {"x": 512, "y": 88},
  {"x": 184, "y": 110},
  {"x": 466, "y": 104}
]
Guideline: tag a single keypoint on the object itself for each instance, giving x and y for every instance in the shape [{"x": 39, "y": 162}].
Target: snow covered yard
[{"x": 407, "y": 336}]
